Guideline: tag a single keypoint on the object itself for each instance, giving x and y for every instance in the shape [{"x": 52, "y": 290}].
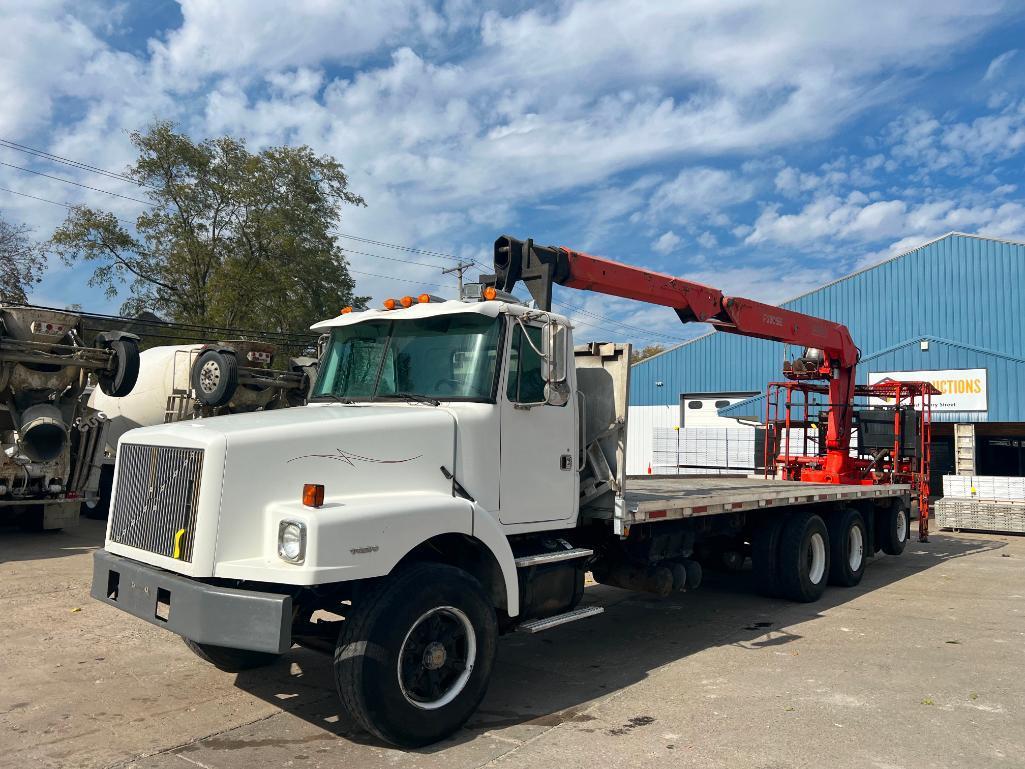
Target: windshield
[{"x": 450, "y": 357}]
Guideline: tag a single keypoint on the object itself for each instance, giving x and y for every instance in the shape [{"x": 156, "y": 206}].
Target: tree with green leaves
[
  {"x": 231, "y": 237},
  {"x": 21, "y": 262},
  {"x": 647, "y": 351}
]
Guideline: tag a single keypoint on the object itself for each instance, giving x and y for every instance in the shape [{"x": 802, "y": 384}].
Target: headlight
[{"x": 292, "y": 541}]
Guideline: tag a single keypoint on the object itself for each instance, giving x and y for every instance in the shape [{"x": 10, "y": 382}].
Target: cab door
[{"x": 539, "y": 478}]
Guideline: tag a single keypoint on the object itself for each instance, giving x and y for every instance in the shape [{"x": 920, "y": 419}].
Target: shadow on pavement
[
  {"x": 550, "y": 678},
  {"x": 18, "y": 545}
]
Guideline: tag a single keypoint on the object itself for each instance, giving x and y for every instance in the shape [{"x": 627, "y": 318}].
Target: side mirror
[
  {"x": 553, "y": 348},
  {"x": 554, "y": 342}
]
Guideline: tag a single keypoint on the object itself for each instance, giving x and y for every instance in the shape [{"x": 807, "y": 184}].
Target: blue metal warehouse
[{"x": 951, "y": 310}]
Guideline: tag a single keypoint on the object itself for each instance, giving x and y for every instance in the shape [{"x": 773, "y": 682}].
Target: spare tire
[
  {"x": 119, "y": 382},
  {"x": 215, "y": 377}
]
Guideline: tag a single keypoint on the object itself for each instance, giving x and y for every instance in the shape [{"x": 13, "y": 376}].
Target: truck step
[
  {"x": 537, "y": 625},
  {"x": 554, "y": 556}
]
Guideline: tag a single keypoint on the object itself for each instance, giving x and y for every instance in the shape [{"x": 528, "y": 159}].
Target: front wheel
[
  {"x": 231, "y": 660},
  {"x": 415, "y": 656}
]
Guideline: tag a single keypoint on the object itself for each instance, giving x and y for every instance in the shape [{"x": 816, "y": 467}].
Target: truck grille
[{"x": 157, "y": 496}]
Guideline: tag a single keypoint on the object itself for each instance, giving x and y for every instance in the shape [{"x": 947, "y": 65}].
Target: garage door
[{"x": 702, "y": 409}]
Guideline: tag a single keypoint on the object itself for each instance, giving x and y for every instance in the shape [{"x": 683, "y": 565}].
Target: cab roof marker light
[
  {"x": 406, "y": 301},
  {"x": 345, "y": 311},
  {"x": 390, "y": 304}
]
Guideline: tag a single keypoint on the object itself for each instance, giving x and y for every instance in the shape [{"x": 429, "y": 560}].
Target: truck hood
[
  {"x": 279, "y": 422},
  {"x": 254, "y": 461}
]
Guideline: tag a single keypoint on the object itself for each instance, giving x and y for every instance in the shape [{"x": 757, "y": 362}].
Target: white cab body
[{"x": 386, "y": 468}]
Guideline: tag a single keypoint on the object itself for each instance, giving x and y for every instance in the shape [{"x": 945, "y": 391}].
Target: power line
[
  {"x": 423, "y": 251},
  {"x": 391, "y": 258},
  {"x": 77, "y": 184},
  {"x": 55, "y": 202},
  {"x": 636, "y": 329},
  {"x": 171, "y": 325},
  {"x": 13, "y": 145},
  {"x": 35, "y": 197},
  {"x": 403, "y": 280}
]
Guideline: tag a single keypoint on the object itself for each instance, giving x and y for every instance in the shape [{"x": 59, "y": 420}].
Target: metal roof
[{"x": 964, "y": 292}]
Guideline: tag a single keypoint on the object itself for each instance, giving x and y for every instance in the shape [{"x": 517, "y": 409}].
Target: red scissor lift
[{"x": 898, "y": 453}]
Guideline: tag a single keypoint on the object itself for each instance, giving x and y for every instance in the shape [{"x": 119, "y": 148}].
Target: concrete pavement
[{"x": 920, "y": 666}]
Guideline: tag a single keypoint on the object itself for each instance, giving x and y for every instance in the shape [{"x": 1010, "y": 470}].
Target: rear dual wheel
[
  {"x": 803, "y": 557},
  {"x": 215, "y": 377},
  {"x": 848, "y": 544},
  {"x": 893, "y": 528}
]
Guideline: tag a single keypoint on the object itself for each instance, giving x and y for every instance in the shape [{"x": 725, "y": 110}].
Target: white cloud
[
  {"x": 853, "y": 220},
  {"x": 958, "y": 147},
  {"x": 699, "y": 190},
  {"x": 999, "y": 65},
  {"x": 450, "y": 120},
  {"x": 666, "y": 243}
]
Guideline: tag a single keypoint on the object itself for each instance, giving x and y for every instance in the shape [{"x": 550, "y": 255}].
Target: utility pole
[{"x": 459, "y": 269}]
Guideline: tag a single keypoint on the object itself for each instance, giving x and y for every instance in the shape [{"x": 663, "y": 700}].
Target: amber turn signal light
[{"x": 313, "y": 494}]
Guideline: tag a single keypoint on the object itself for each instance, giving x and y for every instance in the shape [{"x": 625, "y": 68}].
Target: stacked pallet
[
  {"x": 984, "y": 503},
  {"x": 707, "y": 451}
]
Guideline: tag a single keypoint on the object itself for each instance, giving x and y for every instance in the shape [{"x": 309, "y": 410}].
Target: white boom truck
[{"x": 459, "y": 468}]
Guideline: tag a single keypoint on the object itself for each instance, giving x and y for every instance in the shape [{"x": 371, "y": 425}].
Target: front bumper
[{"x": 223, "y": 616}]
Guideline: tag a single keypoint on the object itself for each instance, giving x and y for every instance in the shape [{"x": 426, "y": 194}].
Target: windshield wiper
[
  {"x": 332, "y": 396},
  {"x": 413, "y": 398}
]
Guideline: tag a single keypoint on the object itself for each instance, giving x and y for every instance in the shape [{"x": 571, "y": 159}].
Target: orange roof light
[
  {"x": 424, "y": 298},
  {"x": 346, "y": 310},
  {"x": 313, "y": 495},
  {"x": 407, "y": 301},
  {"x": 389, "y": 304},
  {"x": 490, "y": 292}
]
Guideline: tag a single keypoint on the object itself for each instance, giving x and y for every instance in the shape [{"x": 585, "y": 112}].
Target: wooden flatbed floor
[{"x": 658, "y": 498}]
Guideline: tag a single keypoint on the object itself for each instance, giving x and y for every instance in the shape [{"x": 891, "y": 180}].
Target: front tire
[
  {"x": 231, "y": 660},
  {"x": 848, "y": 541},
  {"x": 415, "y": 656},
  {"x": 804, "y": 558}
]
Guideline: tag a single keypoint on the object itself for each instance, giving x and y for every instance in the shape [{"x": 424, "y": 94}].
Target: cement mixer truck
[
  {"x": 193, "y": 381},
  {"x": 51, "y": 440}
]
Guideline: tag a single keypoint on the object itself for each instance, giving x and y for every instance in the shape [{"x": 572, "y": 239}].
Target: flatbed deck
[{"x": 667, "y": 498}]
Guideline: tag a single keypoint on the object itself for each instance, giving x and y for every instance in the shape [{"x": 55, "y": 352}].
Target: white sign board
[{"x": 964, "y": 389}]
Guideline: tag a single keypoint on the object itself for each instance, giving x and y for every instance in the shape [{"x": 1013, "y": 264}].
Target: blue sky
[{"x": 761, "y": 147}]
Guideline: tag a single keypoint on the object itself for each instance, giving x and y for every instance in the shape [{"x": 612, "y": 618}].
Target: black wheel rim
[{"x": 437, "y": 657}]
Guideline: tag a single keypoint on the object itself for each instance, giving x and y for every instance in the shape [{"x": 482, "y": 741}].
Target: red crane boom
[{"x": 831, "y": 354}]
